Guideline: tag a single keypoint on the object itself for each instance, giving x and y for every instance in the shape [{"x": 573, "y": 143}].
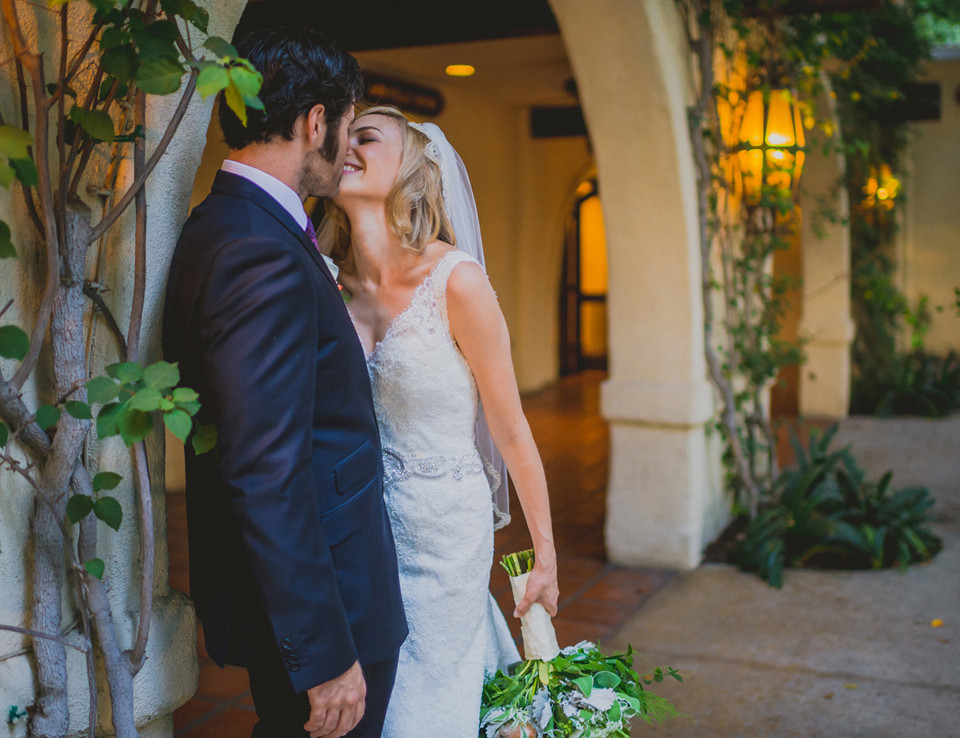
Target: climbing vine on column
[{"x": 81, "y": 99}]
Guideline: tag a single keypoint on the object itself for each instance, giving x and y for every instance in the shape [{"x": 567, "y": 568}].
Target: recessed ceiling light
[{"x": 460, "y": 70}]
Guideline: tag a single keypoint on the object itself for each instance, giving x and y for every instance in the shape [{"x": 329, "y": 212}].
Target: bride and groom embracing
[{"x": 341, "y": 537}]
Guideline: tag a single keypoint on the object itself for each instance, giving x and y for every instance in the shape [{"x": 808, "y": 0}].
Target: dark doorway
[{"x": 583, "y": 290}]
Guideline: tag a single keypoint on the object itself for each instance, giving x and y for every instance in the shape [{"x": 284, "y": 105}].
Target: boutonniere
[{"x": 344, "y": 293}]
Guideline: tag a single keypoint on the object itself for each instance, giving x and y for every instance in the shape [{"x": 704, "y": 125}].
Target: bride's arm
[{"x": 479, "y": 329}]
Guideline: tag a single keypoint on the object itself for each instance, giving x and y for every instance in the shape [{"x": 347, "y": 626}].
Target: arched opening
[{"x": 583, "y": 285}]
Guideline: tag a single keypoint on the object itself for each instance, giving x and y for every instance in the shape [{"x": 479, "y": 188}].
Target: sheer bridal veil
[{"x": 462, "y": 211}]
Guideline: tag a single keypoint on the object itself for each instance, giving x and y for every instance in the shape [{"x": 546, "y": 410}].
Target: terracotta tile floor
[{"x": 596, "y": 597}]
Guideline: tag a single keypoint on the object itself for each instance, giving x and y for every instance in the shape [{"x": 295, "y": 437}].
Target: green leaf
[
  {"x": 47, "y": 416},
  {"x": 221, "y": 48},
  {"x": 134, "y": 425},
  {"x": 7, "y": 174},
  {"x": 52, "y": 88},
  {"x": 126, "y": 373},
  {"x": 585, "y": 683},
  {"x": 105, "y": 88},
  {"x": 614, "y": 713},
  {"x": 179, "y": 423},
  {"x": 106, "y": 480},
  {"x": 101, "y": 390},
  {"x": 201, "y": 19},
  {"x": 97, "y": 123},
  {"x": 159, "y": 77},
  {"x": 14, "y": 142},
  {"x": 103, "y": 6},
  {"x": 7, "y": 250},
  {"x": 109, "y": 511},
  {"x": 26, "y": 171},
  {"x": 112, "y": 37},
  {"x": 236, "y": 102},
  {"x": 161, "y": 375},
  {"x": 79, "y": 410},
  {"x": 247, "y": 82},
  {"x": 14, "y": 342},
  {"x": 204, "y": 438},
  {"x": 95, "y": 567},
  {"x": 4, "y": 434},
  {"x": 147, "y": 400},
  {"x": 211, "y": 80},
  {"x": 606, "y": 680},
  {"x": 78, "y": 507},
  {"x": 108, "y": 420},
  {"x": 185, "y": 394}
]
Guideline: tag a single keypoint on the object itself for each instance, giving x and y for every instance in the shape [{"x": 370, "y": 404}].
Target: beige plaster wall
[
  {"x": 825, "y": 323},
  {"x": 170, "y": 675},
  {"x": 930, "y": 258}
]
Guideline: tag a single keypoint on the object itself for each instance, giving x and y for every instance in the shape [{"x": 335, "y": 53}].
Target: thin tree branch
[
  {"x": 25, "y": 124},
  {"x": 83, "y": 647},
  {"x": 77, "y": 61},
  {"x": 139, "y": 182},
  {"x": 140, "y": 232},
  {"x": 97, "y": 300},
  {"x": 33, "y": 65},
  {"x": 147, "y": 564}
]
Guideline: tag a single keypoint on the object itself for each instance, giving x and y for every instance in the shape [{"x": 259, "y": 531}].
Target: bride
[{"x": 403, "y": 229}]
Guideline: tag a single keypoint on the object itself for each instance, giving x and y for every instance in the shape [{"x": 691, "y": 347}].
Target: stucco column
[
  {"x": 169, "y": 676},
  {"x": 665, "y": 499},
  {"x": 826, "y": 321}
]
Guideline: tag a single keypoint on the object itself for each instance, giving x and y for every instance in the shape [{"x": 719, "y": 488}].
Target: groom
[{"x": 292, "y": 563}]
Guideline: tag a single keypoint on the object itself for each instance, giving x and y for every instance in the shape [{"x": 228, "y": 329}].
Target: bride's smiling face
[{"x": 373, "y": 160}]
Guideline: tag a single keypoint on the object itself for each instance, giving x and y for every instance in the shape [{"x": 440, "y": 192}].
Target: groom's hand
[{"x": 337, "y": 706}]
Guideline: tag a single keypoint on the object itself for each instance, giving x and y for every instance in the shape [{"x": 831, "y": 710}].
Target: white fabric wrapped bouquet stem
[{"x": 536, "y": 627}]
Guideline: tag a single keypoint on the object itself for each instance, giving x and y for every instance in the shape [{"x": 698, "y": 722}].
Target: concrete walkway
[{"x": 831, "y": 655}]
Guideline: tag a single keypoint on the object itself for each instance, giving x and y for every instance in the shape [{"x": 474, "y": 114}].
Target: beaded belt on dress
[{"x": 398, "y": 466}]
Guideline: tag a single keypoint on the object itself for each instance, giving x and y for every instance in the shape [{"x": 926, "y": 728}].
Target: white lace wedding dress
[{"x": 439, "y": 503}]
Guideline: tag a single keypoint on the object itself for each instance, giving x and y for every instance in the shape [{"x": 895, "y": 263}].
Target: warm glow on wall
[
  {"x": 460, "y": 70},
  {"x": 881, "y": 189},
  {"x": 593, "y": 248}
]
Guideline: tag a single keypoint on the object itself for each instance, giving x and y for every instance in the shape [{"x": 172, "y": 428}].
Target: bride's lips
[{"x": 350, "y": 168}]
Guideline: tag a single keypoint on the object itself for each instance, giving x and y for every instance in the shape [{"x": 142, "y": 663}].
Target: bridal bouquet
[{"x": 575, "y": 692}]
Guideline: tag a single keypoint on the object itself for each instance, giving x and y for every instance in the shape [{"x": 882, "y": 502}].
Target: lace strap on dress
[{"x": 441, "y": 276}]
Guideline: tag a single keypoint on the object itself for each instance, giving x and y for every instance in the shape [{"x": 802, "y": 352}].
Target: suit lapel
[{"x": 233, "y": 184}]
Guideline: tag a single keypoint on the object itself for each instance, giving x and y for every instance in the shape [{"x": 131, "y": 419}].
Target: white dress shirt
[{"x": 283, "y": 194}]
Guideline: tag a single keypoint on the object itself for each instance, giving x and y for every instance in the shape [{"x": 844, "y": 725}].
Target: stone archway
[{"x": 665, "y": 499}]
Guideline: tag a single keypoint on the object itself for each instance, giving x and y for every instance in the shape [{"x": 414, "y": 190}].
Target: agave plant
[{"x": 826, "y": 514}]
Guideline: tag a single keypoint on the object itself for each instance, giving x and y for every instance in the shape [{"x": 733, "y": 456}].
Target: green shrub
[
  {"x": 825, "y": 514},
  {"x": 917, "y": 384}
]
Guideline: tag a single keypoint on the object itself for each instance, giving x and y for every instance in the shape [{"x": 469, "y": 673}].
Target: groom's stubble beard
[{"x": 323, "y": 169}]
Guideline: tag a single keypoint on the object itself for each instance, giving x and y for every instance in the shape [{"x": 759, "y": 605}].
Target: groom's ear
[{"x": 315, "y": 126}]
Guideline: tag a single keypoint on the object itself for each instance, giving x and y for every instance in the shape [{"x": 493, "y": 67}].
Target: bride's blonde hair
[{"x": 415, "y": 210}]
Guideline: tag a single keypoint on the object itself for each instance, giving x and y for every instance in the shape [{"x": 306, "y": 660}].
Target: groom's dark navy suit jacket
[{"x": 286, "y": 518}]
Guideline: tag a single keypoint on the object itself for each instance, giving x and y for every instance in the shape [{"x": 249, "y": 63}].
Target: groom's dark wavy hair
[{"x": 301, "y": 68}]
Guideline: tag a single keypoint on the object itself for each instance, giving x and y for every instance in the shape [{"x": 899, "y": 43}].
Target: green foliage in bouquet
[
  {"x": 579, "y": 693},
  {"x": 518, "y": 563},
  {"x": 825, "y": 514},
  {"x": 582, "y": 692}
]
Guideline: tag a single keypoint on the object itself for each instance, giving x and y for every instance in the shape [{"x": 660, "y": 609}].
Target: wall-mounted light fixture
[
  {"x": 771, "y": 143},
  {"x": 460, "y": 70}
]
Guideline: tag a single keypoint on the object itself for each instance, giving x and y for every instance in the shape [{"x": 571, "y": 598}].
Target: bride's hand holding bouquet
[
  {"x": 540, "y": 585},
  {"x": 576, "y": 692}
]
